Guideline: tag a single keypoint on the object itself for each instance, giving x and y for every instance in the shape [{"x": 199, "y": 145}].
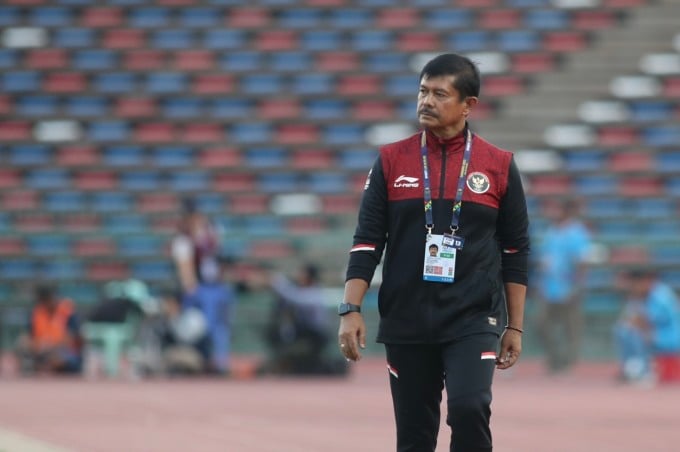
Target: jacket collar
[{"x": 453, "y": 144}]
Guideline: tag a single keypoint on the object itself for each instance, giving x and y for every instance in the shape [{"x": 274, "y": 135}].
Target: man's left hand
[{"x": 511, "y": 348}]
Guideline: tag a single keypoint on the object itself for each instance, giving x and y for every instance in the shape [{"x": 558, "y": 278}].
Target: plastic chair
[{"x": 113, "y": 339}]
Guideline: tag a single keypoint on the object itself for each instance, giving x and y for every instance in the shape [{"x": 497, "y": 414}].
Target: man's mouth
[{"x": 427, "y": 113}]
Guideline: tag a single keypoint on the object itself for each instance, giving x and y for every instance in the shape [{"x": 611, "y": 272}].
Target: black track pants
[{"x": 418, "y": 374}]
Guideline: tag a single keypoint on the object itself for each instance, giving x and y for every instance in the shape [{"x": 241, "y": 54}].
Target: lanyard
[{"x": 427, "y": 195}]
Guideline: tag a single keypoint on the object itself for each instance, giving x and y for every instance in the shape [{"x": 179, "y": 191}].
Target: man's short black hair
[
  {"x": 434, "y": 246},
  {"x": 467, "y": 81}
]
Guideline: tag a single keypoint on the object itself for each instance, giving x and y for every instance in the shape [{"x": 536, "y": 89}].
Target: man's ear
[{"x": 470, "y": 103}]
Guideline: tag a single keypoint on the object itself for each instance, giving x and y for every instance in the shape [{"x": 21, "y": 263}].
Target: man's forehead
[{"x": 443, "y": 81}]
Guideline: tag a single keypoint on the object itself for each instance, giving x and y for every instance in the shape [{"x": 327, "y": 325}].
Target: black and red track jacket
[{"x": 493, "y": 221}]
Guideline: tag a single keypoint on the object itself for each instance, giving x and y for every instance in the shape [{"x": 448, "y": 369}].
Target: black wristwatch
[{"x": 346, "y": 308}]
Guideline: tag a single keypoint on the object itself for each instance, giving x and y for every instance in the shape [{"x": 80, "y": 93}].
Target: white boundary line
[{"x": 16, "y": 442}]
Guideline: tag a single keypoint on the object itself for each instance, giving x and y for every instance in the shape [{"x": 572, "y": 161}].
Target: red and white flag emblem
[
  {"x": 392, "y": 371},
  {"x": 488, "y": 355}
]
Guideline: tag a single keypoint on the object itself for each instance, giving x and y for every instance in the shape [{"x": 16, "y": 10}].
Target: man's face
[
  {"x": 433, "y": 251},
  {"x": 440, "y": 107}
]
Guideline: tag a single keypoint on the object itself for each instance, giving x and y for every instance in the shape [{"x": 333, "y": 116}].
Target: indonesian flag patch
[
  {"x": 392, "y": 371},
  {"x": 488, "y": 355}
]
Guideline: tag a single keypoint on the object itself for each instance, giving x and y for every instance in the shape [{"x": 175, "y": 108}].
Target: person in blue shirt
[
  {"x": 649, "y": 325},
  {"x": 562, "y": 258}
]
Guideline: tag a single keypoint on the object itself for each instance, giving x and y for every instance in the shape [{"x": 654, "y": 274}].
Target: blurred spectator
[
  {"x": 299, "y": 329},
  {"x": 53, "y": 343},
  {"x": 649, "y": 325},
  {"x": 560, "y": 281},
  {"x": 195, "y": 248}
]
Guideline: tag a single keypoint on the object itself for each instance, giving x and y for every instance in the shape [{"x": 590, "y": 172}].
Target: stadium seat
[
  {"x": 248, "y": 17},
  {"x": 219, "y": 157},
  {"x": 115, "y": 82},
  {"x": 323, "y": 109},
  {"x": 123, "y": 155},
  {"x": 14, "y": 130},
  {"x": 269, "y": 157},
  {"x": 263, "y": 225},
  {"x": 276, "y": 40},
  {"x": 73, "y": 37},
  {"x": 21, "y": 199},
  {"x": 73, "y": 82},
  {"x": 10, "y": 178},
  {"x": 29, "y": 155},
  {"x": 102, "y": 16},
  {"x": 447, "y": 19},
  {"x": 47, "y": 178},
  {"x": 212, "y": 84},
  {"x": 160, "y": 271},
  {"x": 278, "y": 109},
  {"x": 352, "y": 84},
  {"x": 139, "y": 245},
  {"x": 50, "y": 16},
  {"x": 358, "y": 18},
  {"x": 94, "y": 60},
  {"x": 111, "y": 130},
  {"x": 164, "y": 201},
  {"x": 156, "y": 132},
  {"x": 134, "y": 107},
  {"x": 495, "y": 19},
  {"x": 194, "y": 60},
  {"x": 12, "y": 246},
  {"x": 65, "y": 201},
  {"x": 202, "y": 133},
  {"x": 128, "y": 223},
  {"x": 630, "y": 161},
  {"x": 633, "y": 187},
  {"x": 199, "y": 17},
  {"x": 326, "y": 182},
  {"x": 374, "y": 110},
  {"x": 262, "y": 84},
  {"x": 306, "y": 84},
  {"x": 189, "y": 180},
  {"x": 49, "y": 244},
  {"x": 231, "y": 108},
  {"x": 95, "y": 180},
  {"x": 668, "y": 161},
  {"x": 403, "y": 17},
  {"x": 144, "y": 60},
  {"x": 337, "y": 61},
  {"x": 21, "y": 81},
  {"x": 140, "y": 180},
  {"x": 182, "y": 107},
  {"x": 46, "y": 59},
  {"x": 317, "y": 40},
  {"x": 547, "y": 19},
  {"x": 87, "y": 106},
  {"x": 172, "y": 39},
  {"x": 76, "y": 155},
  {"x": 290, "y": 61},
  {"x": 253, "y": 132},
  {"x": 8, "y": 58},
  {"x": 10, "y": 15},
  {"x": 660, "y": 136},
  {"x": 18, "y": 269},
  {"x": 655, "y": 208},
  {"x": 220, "y": 39},
  {"x": 278, "y": 182},
  {"x": 617, "y": 136},
  {"x": 94, "y": 246},
  {"x": 234, "y": 182},
  {"x": 111, "y": 201},
  {"x": 312, "y": 159},
  {"x": 565, "y": 41},
  {"x": 166, "y": 83},
  {"x": 123, "y": 38},
  {"x": 519, "y": 41},
  {"x": 385, "y": 62},
  {"x": 249, "y": 204},
  {"x": 149, "y": 17}
]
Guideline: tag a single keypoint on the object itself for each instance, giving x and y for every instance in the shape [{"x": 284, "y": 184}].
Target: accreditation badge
[{"x": 440, "y": 259}]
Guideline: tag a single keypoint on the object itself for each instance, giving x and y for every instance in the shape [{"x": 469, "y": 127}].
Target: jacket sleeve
[
  {"x": 371, "y": 231},
  {"x": 513, "y": 229}
]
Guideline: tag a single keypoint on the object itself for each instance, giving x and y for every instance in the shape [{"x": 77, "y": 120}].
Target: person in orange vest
[{"x": 53, "y": 344}]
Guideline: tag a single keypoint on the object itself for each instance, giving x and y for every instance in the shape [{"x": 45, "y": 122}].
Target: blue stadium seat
[
  {"x": 386, "y": 62},
  {"x": 211, "y": 203},
  {"x": 402, "y": 85},
  {"x": 29, "y": 154},
  {"x": 18, "y": 269},
  {"x": 115, "y": 82},
  {"x": 10, "y": 15},
  {"x": 616, "y": 231},
  {"x": 174, "y": 156},
  {"x": 5, "y": 224},
  {"x": 36, "y": 105},
  {"x": 278, "y": 182},
  {"x": 224, "y": 39},
  {"x": 653, "y": 208},
  {"x": 321, "y": 40},
  {"x": 584, "y": 160},
  {"x": 263, "y": 225},
  {"x": 519, "y": 41},
  {"x": 300, "y": 18},
  {"x": 139, "y": 245},
  {"x": 199, "y": 17},
  {"x": 172, "y": 39},
  {"x": 128, "y": 223},
  {"x": 94, "y": 59},
  {"x": 161, "y": 271},
  {"x": 266, "y": 157},
  {"x": 111, "y": 130},
  {"x": 600, "y": 278},
  {"x": 607, "y": 208},
  {"x": 112, "y": 201},
  {"x": 140, "y": 180},
  {"x": 182, "y": 107},
  {"x": 312, "y": 84},
  {"x": 326, "y": 182},
  {"x": 291, "y": 61},
  {"x": 448, "y": 18},
  {"x": 189, "y": 181},
  {"x": 21, "y": 81},
  {"x": 665, "y": 230},
  {"x": 350, "y": 18},
  {"x": 666, "y": 254},
  {"x": 320, "y": 109},
  {"x": 406, "y": 110},
  {"x": 87, "y": 106},
  {"x": 73, "y": 37},
  {"x": 529, "y": 3},
  {"x": 357, "y": 159},
  {"x": 370, "y": 40},
  {"x": 241, "y": 61},
  {"x": 47, "y": 178},
  {"x": 231, "y": 108},
  {"x": 49, "y": 244},
  {"x": 49, "y": 16},
  {"x": 661, "y": 135},
  {"x": 123, "y": 155},
  {"x": 63, "y": 269},
  {"x": 65, "y": 201},
  {"x": 673, "y": 187},
  {"x": 344, "y": 134},
  {"x": 258, "y": 84},
  {"x": 167, "y": 82},
  {"x": 149, "y": 17},
  {"x": 469, "y": 41},
  {"x": 250, "y": 133},
  {"x": 546, "y": 19},
  {"x": 8, "y": 58},
  {"x": 596, "y": 185},
  {"x": 81, "y": 292},
  {"x": 649, "y": 111}
]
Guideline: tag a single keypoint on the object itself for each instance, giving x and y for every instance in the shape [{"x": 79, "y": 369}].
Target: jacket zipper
[
  {"x": 442, "y": 182},
  {"x": 442, "y": 177}
]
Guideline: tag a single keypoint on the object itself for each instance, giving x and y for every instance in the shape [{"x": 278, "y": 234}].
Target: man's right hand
[{"x": 352, "y": 335}]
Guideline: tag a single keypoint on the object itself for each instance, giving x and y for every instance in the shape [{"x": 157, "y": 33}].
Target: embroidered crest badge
[{"x": 478, "y": 182}]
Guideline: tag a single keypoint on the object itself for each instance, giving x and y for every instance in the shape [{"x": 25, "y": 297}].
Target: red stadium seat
[
  {"x": 96, "y": 246},
  {"x": 631, "y": 161},
  {"x": 359, "y": 84},
  {"x": 65, "y": 82},
  {"x": 271, "y": 249},
  {"x": 102, "y": 16},
  {"x": 144, "y": 60},
  {"x": 671, "y": 87},
  {"x": 9, "y": 178},
  {"x": 12, "y": 246},
  {"x": 123, "y": 38},
  {"x": 397, "y": 18},
  {"x": 484, "y": 110},
  {"x": 164, "y": 224},
  {"x": 194, "y": 60},
  {"x": 416, "y": 41},
  {"x": 312, "y": 159},
  {"x": 617, "y": 136},
  {"x": 46, "y": 59},
  {"x": 219, "y": 157},
  {"x": 528, "y": 63},
  {"x": 107, "y": 271},
  {"x": 337, "y": 61},
  {"x": 159, "y": 132},
  {"x": 15, "y": 130},
  {"x": 503, "y": 85},
  {"x": 477, "y": 3},
  {"x": 641, "y": 187},
  {"x": 629, "y": 255},
  {"x": 76, "y": 155},
  {"x": 135, "y": 107},
  {"x": 373, "y": 110},
  {"x": 81, "y": 222},
  {"x": 297, "y": 134},
  {"x": 340, "y": 204},
  {"x": 249, "y": 204},
  {"x": 550, "y": 185},
  {"x": 565, "y": 41},
  {"x": 306, "y": 225},
  {"x": 500, "y": 19},
  {"x": 279, "y": 109},
  {"x": 249, "y": 17},
  {"x": 202, "y": 133},
  {"x": 213, "y": 84},
  {"x": 5, "y": 104},
  {"x": 39, "y": 222},
  {"x": 276, "y": 40},
  {"x": 594, "y": 19},
  {"x": 233, "y": 182},
  {"x": 20, "y": 200},
  {"x": 158, "y": 202},
  {"x": 95, "y": 180}
]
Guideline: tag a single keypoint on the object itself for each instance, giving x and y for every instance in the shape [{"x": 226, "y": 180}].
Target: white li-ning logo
[{"x": 406, "y": 182}]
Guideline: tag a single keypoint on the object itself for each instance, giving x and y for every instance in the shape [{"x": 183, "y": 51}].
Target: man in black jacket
[{"x": 441, "y": 316}]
